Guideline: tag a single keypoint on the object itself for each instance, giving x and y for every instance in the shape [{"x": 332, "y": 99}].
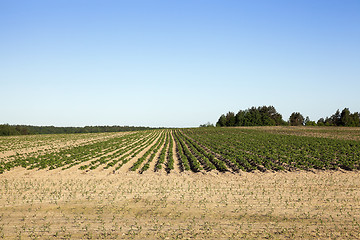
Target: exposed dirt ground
[
  {"x": 108, "y": 204},
  {"x": 72, "y": 204}
]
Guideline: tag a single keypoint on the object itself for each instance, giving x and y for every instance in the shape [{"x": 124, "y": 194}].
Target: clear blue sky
[{"x": 175, "y": 63}]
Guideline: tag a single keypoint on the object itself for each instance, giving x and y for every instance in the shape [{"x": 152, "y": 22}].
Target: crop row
[
  {"x": 250, "y": 149},
  {"x": 75, "y": 155},
  {"x": 136, "y": 150},
  {"x": 201, "y": 149},
  {"x": 163, "y": 152},
  {"x": 194, "y": 157},
  {"x": 170, "y": 157},
  {"x": 152, "y": 150},
  {"x": 119, "y": 155}
]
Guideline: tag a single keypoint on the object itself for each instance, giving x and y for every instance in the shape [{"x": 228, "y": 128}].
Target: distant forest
[
  {"x": 11, "y": 130},
  {"x": 268, "y": 116}
]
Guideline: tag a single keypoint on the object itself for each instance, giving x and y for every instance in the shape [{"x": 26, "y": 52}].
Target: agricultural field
[
  {"x": 196, "y": 150},
  {"x": 202, "y": 183}
]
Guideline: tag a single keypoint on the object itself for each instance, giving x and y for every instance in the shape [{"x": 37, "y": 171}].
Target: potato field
[
  {"x": 199, "y": 183},
  {"x": 202, "y": 149}
]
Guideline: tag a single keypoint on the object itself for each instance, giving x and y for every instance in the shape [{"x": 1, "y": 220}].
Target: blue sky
[{"x": 175, "y": 63}]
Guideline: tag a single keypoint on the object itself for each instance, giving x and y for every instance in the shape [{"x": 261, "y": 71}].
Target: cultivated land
[{"x": 228, "y": 183}]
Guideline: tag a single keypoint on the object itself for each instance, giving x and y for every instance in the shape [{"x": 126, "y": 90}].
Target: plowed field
[{"x": 206, "y": 183}]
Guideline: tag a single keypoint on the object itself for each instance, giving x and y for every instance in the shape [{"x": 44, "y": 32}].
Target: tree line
[
  {"x": 11, "y": 130},
  {"x": 268, "y": 116},
  {"x": 254, "y": 116}
]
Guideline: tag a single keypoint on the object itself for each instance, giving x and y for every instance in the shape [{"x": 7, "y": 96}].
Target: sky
[{"x": 175, "y": 63}]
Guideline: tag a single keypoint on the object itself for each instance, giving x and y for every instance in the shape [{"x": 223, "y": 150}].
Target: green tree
[
  {"x": 8, "y": 130},
  {"x": 321, "y": 122},
  {"x": 222, "y": 121},
  {"x": 345, "y": 119},
  {"x": 355, "y": 119},
  {"x": 334, "y": 120},
  {"x": 308, "y": 122},
  {"x": 270, "y": 116},
  {"x": 266, "y": 115},
  {"x": 240, "y": 118},
  {"x": 230, "y": 119},
  {"x": 296, "y": 119},
  {"x": 208, "y": 124},
  {"x": 254, "y": 116}
]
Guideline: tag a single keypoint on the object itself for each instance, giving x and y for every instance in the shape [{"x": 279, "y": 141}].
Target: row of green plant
[
  {"x": 223, "y": 149},
  {"x": 136, "y": 150},
  {"x": 170, "y": 157},
  {"x": 180, "y": 154},
  {"x": 192, "y": 159},
  {"x": 120, "y": 155},
  {"x": 251, "y": 149},
  {"x": 206, "y": 157},
  {"x": 93, "y": 151},
  {"x": 196, "y": 157},
  {"x": 206, "y": 164},
  {"x": 156, "y": 147},
  {"x": 162, "y": 156},
  {"x": 142, "y": 158}
]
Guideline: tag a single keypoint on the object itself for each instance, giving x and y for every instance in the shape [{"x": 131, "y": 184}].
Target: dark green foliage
[
  {"x": 268, "y": 116},
  {"x": 222, "y": 121},
  {"x": 321, "y": 122},
  {"x": 9, "y": 130},
  {"x": 208, "y": 124},
  {"x": 354, "y": 120},
  {"x": 310, "y": 123},
  {"x": 296, "y": 119},
  {"x": 260, "y": 116},
  {"x": 345, "y": 118},
  {"x": 334, "y": 120},
  {"x": 230, "y": 119}
]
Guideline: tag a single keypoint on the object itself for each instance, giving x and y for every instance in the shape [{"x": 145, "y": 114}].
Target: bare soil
[
  {"x": 101, "y": 203},
  {"x": 71, "y": 204}
]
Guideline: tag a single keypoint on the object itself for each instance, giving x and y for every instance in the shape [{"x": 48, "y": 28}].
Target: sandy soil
[
  {"x": 76, "y": 204},
  {"x": 71, "y": 205}
]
